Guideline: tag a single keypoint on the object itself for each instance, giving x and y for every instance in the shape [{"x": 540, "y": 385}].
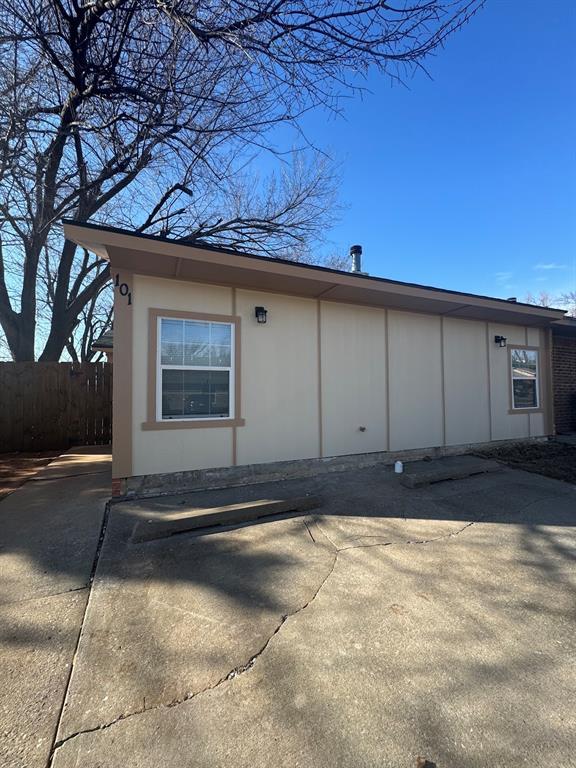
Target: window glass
[
  {"x": 188, "y": 393},
  {"x": 195, "y": 369},
  {"x": 196, "y": 343},
  {"x": 172, "y": 342},
  {"x": 525, "y": 395},
  {"x": 524, "y": 378},
  {"x": 524, "y": 363}
]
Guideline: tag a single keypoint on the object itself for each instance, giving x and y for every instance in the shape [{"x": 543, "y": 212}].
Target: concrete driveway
[
  {"x": 395, "y": 624},
  {"x": 49, "y": 533}
]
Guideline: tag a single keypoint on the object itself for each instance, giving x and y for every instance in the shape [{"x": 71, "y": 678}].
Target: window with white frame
[
  {"x": 525, "y": 382},
  {"x": 195, "y": 369}
]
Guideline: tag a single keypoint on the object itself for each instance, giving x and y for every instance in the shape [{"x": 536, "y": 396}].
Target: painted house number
[{"x": 124, "y": 288}]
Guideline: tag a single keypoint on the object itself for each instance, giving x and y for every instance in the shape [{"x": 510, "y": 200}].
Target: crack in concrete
[
  {"x": 45, "y": 597},
  {"x": 99, "y": 545},
  {"x": 64, "y": 477},
  {"x": 309, "y": 531},
  {"x": 388, "y": 543},
  {"x": 248, "y": 665},
  {"x": 234, "y": 673},
  {"x": 444, "y": 535}
]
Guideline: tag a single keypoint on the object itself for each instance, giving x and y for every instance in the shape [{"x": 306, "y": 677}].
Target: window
[
  {"x": 195, "y": 369},
  {"x": 524, "y": 378}
]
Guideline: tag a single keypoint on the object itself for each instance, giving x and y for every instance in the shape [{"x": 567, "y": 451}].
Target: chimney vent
[{"x": 356, "y": 256}]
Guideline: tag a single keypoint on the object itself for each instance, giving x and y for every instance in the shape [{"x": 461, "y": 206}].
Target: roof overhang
[
  {"x": 565, "y": 327},
  {"x": 159, "y": 257}
]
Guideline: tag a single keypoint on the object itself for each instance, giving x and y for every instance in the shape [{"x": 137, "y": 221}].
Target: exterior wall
[
  {"x": 506, "y": 425},
  {"x": 415, "y": 381},
  {"x": 324, "y": 379},
  {"x": 564, "y": 378},
  {"x": 280, "y": 400},
  {"x": 179, "y": 449},
  {"x": 353, "y": 353},
  {"x": 466, "y": 381}
]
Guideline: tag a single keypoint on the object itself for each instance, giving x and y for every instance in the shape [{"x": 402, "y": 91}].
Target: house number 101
[{"x": 124, "y": 288}]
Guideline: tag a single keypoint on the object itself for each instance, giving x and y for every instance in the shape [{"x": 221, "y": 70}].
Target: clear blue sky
[{"x": 468, "y": 180}]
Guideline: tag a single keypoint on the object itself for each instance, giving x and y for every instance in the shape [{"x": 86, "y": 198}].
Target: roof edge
[{"x": 89, "y": 226}]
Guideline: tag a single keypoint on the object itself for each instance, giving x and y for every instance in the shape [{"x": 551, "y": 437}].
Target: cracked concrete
[
  {"x": 234, "y": 673},
  {"x": 215, "y": 600},
  {"x": 459, "y": 649},
  {"x": 49, "y": 537},
  {"x": 397, "y": 623},
  {"x": 383, "y": 635}
]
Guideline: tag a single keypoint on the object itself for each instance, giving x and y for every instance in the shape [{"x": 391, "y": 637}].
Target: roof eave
[{"x": 207, "y": 264}]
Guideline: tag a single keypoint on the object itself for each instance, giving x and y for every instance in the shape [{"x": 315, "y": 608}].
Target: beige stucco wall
[
  {"x": 279, "y": 379},
  {"x": 466, "y": 393},
  {"x": 353, "y": 370},
  {"x": 318, "y": 371},
  {"x": 415, "y": 354}
]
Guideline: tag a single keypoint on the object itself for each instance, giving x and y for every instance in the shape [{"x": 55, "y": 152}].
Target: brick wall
[{"x": 564, "y": 376}]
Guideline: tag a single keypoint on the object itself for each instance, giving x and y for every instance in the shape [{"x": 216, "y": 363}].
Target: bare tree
[
  {"x": 566, "y": 300},
  {"x": 542, "y": 299},
  {"x": 140, "y": 113},
  {"x": 94, "y": 321}
]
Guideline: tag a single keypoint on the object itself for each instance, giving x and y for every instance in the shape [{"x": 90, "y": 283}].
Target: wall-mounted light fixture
[
  {"x": 260, "y": 314},
  {"x": 500, "y": 340}
]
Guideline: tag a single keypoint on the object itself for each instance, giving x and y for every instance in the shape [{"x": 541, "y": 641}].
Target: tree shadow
[{"x": 175, "y": 616}]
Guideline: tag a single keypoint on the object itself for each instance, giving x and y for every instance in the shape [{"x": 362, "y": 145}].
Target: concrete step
[
  {"x": 419, "y": 473},
  {"x": 161, "y": 525}
]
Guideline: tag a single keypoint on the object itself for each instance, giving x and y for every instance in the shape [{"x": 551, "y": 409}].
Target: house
[
  {"x": 104, "y": 344},
  {"x": 224, "y": 359}
]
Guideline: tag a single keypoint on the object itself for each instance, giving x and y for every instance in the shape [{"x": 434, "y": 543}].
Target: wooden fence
[{"x": 47, "y": 406}]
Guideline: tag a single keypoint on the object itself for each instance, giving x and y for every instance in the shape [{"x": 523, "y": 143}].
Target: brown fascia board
[{"x": 159, "y": 257}]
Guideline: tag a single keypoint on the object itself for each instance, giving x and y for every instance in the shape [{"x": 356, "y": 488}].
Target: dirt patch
[
  {"x": 551, "y": 459},
  {"x": 16, "y": 468}
]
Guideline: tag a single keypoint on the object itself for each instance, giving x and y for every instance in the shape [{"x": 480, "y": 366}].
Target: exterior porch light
[
  {"x": 500, "y": 340},
  {"x": 260, "y": 314}
]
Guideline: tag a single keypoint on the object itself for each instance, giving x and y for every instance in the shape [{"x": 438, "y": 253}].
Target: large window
[
  {"x": 195, "y": 369},
  {"x": 525, "y": 383}
]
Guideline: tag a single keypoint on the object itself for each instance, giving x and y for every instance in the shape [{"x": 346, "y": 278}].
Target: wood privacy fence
[{"x": 46, "y": 406}]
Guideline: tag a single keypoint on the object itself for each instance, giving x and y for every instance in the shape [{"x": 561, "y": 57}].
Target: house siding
[{"x": 325, "y": 379}]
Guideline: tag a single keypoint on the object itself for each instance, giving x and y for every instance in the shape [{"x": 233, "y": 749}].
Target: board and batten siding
[
  {"x": 279, "y": 379},
  {"x": 353, "y": 371},
  {"x": 326, "y": 379}
]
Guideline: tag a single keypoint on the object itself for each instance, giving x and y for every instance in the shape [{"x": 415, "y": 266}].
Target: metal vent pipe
[{"x": 356, "y": 256}]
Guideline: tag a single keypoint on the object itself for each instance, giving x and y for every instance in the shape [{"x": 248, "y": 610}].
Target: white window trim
[
  {"x": 230, "y": 369},
  {"x": 511, "y": 363}
]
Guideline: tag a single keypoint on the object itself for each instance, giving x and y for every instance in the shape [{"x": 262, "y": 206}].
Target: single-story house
[{"x": 226, "y": 359}]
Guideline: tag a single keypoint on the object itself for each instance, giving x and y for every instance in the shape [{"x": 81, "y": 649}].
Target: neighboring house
[
  {"x": 105, "y": 344},
  {"x": 224, "y": 359}
]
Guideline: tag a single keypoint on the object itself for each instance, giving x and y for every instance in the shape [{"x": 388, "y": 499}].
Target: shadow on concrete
[
  {"x": 173, "y": 617},
  {"x": 504, "y": 497},
  {"x": 51, "y": 529}
]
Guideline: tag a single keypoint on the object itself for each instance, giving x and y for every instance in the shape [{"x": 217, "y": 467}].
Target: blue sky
[{"x": 468, "y": 180}]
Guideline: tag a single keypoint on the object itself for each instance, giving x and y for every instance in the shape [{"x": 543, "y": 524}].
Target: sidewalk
[{"x": 49, "y": 534}]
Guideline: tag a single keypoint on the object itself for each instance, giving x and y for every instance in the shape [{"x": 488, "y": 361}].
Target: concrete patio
[{"x": 389, "y": 624}]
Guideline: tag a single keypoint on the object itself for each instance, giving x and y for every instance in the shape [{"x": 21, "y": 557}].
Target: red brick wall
[{"x": 564, "y": 376}]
